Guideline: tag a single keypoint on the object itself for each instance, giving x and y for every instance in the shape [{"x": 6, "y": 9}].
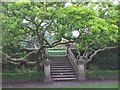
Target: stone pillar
[
  {"x": 46, "y": 51},
  {"x": 81, "y": 70},
  {"x": 47, "y": 70}
]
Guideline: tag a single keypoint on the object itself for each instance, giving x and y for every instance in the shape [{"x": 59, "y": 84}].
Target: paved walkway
[{"x": 52, "y": 84}]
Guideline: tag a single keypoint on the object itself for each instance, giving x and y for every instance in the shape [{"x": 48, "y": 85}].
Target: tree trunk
[
  {"x": 40, "y": 53},
  {"x": 39, "y": 58}
]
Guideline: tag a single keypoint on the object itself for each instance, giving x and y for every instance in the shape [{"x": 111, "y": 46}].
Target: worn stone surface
[
  {"x": 47, "y": 73},
  {"x": 81, "y": 72}
]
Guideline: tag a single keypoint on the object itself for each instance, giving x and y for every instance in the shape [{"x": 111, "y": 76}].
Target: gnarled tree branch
[{"x": 99, "y": 50}]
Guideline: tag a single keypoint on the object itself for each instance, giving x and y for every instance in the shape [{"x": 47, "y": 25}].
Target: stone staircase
[{"x": 61, "y": 69}]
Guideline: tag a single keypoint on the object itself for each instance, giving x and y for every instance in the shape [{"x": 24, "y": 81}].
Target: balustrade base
[
  {"x": 81, "y": 78},
  {"x": 48, "y": 80}
]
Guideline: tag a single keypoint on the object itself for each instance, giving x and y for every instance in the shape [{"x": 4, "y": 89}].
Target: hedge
[
  {"x": 56, "y": 52},
  {"x": 105, "y": 60},
  {"x": 23, "y": 76},
  {"x": 102, "y": 75},
  {"x": 39, "y": 76}
]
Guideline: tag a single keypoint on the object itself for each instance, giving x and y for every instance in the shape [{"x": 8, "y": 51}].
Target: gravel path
[{"x": 53, "y": 84}]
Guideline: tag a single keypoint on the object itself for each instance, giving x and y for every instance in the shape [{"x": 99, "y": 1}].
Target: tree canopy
[{"x": 95, "y": 24}]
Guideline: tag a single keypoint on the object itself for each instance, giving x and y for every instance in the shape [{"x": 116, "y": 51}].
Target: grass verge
[{"x": 95, "y": 85}]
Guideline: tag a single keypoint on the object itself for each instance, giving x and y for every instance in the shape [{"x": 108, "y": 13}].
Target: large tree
[
  {"x": 102, "y": 32},
  {"x": 31, "y": 19},
  {"x": 39, "y": 19}
]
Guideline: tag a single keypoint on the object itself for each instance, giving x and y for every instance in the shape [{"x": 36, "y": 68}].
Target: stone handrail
[
  {"x": 72, "y": 60},
  {"x": 79, "y": 68}
]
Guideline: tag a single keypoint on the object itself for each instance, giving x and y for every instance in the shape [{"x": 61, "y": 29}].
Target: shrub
[
  {"x": 7, "y": 67},
  {"x": 105, "y": 74},
  {"x": 23, "y": 75},
  {"x": 106, "y": 60}
]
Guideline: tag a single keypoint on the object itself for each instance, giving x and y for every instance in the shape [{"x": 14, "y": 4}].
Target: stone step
[
  {"x": 64, "y": 79},
  {"x": 58, "y": 65},
  {"x": 68, "y": 68},
  {"x": 59, "y": 59},
  {"x": 62, "y": 68},
  {"x": 62, "y": 76},
  {"x": 62, "y": 64},
  {"x": 62, "y": 71}
]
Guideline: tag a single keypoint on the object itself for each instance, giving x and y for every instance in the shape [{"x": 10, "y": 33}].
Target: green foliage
[
  {"x": 103, "y": 29},
  {"x": 23, "y": 75},
  {"x": 106, "y": 60},
  {"x": 56, "y": 52},
  {"x": 102, "y": 75},
  {"x": 7, "y": 67},
  {"x": 74, "y": 18},
  {"x": 21, "y": 19}
]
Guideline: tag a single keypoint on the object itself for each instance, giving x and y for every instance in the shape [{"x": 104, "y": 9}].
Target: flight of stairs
[{"x": 61, "y": 69}]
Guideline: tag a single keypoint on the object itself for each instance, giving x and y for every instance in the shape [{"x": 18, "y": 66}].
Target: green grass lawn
[{"x": 99, "y": 85}]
